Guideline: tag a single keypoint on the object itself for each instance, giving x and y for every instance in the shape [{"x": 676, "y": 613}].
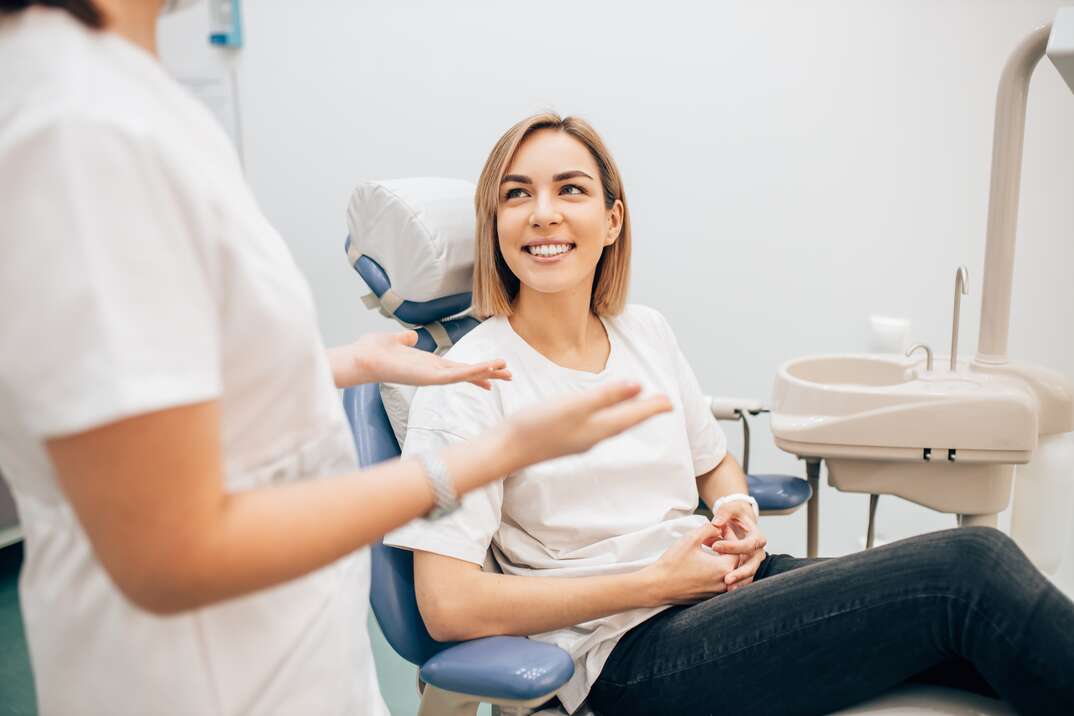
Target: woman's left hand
[
  {"x": 742, "y": 537},
  {"x": 392, "y": 358}
]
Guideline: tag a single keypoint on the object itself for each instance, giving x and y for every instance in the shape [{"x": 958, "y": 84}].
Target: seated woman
[{"x": 602, "y": 554}]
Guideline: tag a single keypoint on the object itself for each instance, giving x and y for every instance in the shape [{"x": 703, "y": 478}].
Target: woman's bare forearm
[
  {"x": 458, "y": 601},
  {"x": 726, "y": 478}
]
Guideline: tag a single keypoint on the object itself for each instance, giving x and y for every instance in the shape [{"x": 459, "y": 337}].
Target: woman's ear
[{"x": 615, "y": 223}]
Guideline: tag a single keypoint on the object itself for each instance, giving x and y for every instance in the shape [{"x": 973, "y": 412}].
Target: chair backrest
[
  {"x": 418, "y": 232},
  {"x": 392, "y": 590}
]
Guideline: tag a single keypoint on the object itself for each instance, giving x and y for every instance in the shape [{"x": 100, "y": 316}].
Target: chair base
[{"x": 437, "y": 702}]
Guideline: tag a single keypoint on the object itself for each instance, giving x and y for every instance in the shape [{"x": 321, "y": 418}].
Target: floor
[{"x": 16, "y": 682}]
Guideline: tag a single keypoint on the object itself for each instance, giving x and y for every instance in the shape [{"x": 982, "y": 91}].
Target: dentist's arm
[{"x": 150, "y": 494}]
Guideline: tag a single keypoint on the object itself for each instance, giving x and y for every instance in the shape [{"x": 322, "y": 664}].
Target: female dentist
[{"x": 166, "y": 401}]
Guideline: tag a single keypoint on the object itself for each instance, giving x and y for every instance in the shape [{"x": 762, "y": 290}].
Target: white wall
[{"x": 792, "y": 167}]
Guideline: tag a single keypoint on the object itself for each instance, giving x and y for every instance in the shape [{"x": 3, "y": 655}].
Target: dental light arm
[{"x": 1057, "y": 40}]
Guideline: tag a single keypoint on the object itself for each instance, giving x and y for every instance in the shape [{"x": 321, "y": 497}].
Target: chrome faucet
[
  {"x": 928, "y": 355},
  {"x": 961, "y": 277}
]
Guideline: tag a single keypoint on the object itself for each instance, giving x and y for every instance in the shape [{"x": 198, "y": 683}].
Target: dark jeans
[{"x": 962, "y": 607}]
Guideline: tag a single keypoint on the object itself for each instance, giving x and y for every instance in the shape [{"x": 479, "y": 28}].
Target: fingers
[
  {"x": 747, "y": 545},
  {"x": 704, "y": 535},
  {"x": 408, "y": 338},
  {"x": 620, "y": 417},
  {"x": 743, "y": 574},
  {"x": 477, "y": 374},
  {"x": 607, "y": 396},
  {"x": 740, "y": 584}
]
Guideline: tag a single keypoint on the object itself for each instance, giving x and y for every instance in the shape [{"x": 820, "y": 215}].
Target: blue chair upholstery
[
  {"x": 500, "y": 667},
  {"x": 417, "y": 313},
  {"x": 495, "y": 667},
  {"x": 779, "y": 493}
]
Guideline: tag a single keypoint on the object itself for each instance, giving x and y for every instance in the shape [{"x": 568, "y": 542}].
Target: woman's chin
[{"x": 550, "y": 285}]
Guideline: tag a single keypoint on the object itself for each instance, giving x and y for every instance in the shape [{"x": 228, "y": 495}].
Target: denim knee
[{"x": 985, "y": 553}]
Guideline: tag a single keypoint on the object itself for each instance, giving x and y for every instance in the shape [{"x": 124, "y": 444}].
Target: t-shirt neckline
[{"x": 582, "y": 374}]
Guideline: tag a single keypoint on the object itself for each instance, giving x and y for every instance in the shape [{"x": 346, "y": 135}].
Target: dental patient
[{"x": 602, "y": 553}]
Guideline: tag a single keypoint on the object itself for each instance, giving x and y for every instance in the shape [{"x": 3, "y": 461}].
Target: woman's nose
[{"x": 544, "y": 212}]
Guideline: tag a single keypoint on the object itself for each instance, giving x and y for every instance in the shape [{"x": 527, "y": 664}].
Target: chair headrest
[{"x": 412, "y": 242}]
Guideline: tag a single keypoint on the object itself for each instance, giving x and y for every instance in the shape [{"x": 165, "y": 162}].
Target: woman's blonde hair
[{"x": 495, "y": 286}]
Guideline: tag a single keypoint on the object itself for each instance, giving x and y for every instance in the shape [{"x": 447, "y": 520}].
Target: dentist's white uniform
[{"x": 137, "y": 274}]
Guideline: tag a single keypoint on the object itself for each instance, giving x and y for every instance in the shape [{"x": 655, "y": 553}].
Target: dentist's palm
[{"x": 392, "y": 358}]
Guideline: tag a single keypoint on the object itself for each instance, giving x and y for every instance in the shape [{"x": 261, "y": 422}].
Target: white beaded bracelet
[{"x": 736, "y": 497}]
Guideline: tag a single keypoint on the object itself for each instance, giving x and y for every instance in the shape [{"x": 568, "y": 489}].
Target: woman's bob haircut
[{"x": 495, "y": 286}]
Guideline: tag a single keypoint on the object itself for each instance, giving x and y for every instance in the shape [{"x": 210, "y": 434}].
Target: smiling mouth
[{"x": 550, "y": 250}]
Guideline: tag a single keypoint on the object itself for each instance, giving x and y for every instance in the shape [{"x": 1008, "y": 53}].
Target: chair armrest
[
  {"x": 729, "y": 408},
  {"x": 500, "y": 667}
]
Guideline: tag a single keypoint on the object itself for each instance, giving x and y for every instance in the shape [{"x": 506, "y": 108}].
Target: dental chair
[{"x": 515, "y": 675}]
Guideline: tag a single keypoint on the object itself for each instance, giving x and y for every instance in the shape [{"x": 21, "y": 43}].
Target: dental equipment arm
[{"x": 149, "y": 492}]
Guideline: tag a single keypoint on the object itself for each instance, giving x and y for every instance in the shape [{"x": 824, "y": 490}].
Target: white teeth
[{"x": 549, "y": 249}]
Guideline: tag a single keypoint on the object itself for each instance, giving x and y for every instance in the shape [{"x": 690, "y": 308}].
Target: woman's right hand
[
  {"x": 575, "y": 424},
  {"x": 688, "y": 572}
]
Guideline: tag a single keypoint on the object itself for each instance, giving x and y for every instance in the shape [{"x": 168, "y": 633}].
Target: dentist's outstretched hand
[
  {"x": 392, "y": 358},
  {"x": 576, "y": 423}
]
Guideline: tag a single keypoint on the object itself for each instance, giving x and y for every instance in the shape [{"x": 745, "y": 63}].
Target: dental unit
[{"x": 950, "y": 437}]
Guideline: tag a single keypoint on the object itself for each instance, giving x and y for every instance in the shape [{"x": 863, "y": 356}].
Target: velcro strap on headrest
[{"x": 440, "y": 335}]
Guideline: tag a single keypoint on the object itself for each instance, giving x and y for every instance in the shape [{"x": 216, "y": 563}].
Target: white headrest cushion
[{"x": 420, "y": 231}]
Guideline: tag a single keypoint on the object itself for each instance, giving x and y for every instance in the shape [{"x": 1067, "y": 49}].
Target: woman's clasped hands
[
  {"x": 742, "y": 539},
  {"x": 718, "y": 557}
]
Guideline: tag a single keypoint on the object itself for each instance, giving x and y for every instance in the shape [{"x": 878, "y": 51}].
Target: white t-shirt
[
  {"x": 137, "y": 273},
  {"x": 613, "y": 509}
]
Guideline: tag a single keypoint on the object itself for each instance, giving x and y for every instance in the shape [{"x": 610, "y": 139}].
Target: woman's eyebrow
[
  {"x": 571, "y": 175},
  {"x": 521, "y": 179}
]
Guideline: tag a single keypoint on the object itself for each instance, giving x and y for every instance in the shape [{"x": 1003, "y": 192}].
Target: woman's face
[{"x": 551, "y": 219}]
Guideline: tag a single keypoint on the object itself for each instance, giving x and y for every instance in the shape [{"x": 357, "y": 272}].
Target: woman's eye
[
  {"x": 515, "y": 193},
  {"x": 572, "y": 189}
]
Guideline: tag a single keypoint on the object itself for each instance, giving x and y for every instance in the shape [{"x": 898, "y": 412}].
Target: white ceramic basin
[
  {"x": 946, "y": 440},
  {"x": 888, "y": 407},
  {"x": 849, "y": 370}
]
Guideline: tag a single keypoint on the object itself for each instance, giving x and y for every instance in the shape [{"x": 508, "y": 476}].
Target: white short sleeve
[
  {"x": 109, "y": 309},
  {"x": 441, "y": 416},
  {"x": 708, "y": 444}
]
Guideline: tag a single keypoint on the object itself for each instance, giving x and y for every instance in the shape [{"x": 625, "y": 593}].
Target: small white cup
[{"x": 888, "y": 335}]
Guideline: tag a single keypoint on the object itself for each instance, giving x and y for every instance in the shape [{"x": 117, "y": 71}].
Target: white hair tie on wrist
[{"x": 737, "y": 497}]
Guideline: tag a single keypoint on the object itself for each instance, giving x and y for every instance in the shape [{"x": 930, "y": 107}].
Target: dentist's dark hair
[{"x": 84, "y": 10}]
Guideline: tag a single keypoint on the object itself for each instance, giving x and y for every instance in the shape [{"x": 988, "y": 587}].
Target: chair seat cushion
[
  {"x": 779, "y": 492},
  {"x": 501, "y": 667}
]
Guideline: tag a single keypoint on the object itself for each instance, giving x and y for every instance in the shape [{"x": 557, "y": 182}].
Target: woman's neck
[
  {"x": 133, "y": 20},
  {"x": 561, "y": 326}
]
